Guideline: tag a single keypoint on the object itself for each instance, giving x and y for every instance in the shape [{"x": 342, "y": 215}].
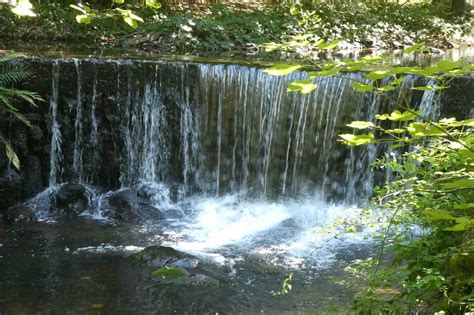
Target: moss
[{"x": 170, "y": 274}]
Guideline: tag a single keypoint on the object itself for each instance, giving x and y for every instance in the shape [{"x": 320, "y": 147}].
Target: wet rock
[
  {"x": 10, "y": 187},
  {"x": 125, "y": 205},
  {"x": 71, "y": 199},
  {"x": 203, "y": 280},
  {"x": 36, "y": 138},
  {"x": 180, "y": 276},
  {"x": 19, "y": 213},
  {"x": 161, "y": 256},
  {"x": 33, "y": 178}
]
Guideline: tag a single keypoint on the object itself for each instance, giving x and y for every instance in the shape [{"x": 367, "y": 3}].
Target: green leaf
[
  {"x": 11, "y": 155},
  {"x": 466, "y": 154},
  {"x": 386, "y": 88},
  {"x": 467, "y": 122},
  {"x": 396, "y": 115},
  {"x": 376, "y": 75},
  {"x": 424, "y": 130},
  {"x": 153, "y": 4},
  {"x": 464, "y": 206},
  {"x": 445, "y": 65},
  {"x": 130, "y": 21},
  {"x": 438, "y": 215},
  {"x": 460, "y": 184},
  {"x": 282, "y": 69},
  {"x": 294, "y": 11},
  {"x": 463, "y": 226},
  {"x": 329, "y": 72},
  {"x": 401, "y": 70},
  {"x": 351, "y": 139},
  {"x": 371, "y": 59},
  {"x": 398, "y": 81},
  {"x": 83, "y": 19},
  {"x": 119, "y": 1},
  {"x": 359, "y": 87},
  {"x": 356, "y": 66},
  {"x": 329, "y": 45},
  {"x": 361, "y": 124},
  {"x": 429, "y": 88},
  {"x": 304, "y": 87},
  {"x": 419, "y": 47}
]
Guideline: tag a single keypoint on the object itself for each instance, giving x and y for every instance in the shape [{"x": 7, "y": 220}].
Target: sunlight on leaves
[
  {"x": 282, "y": 69},
  {"x": 304, "y": 87}
]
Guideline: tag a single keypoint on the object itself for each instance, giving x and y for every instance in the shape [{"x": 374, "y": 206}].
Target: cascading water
[
  {"x": 55, "y": 154},
  {"x": 248, "y": 166}
]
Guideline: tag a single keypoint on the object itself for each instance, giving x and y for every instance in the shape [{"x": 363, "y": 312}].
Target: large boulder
[
  {"x": 71, "y": 199},
  {"x": 126, "y": 205}
]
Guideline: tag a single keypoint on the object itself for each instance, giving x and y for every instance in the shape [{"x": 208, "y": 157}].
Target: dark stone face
[
  {"x": 126, "y": 206},
  {"x": 70, "y": 199}
]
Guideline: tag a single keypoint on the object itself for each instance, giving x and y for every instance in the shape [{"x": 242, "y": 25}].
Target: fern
[
  {"x": 9, "y": 58},
  {"x": 9, "y": 76},
  {"x": 13, "y": 76}
]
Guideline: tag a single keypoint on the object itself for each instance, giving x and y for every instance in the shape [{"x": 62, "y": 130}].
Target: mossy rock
[
  {"x": 174, "y": 275},
  {"x": 161, "y": 256}
]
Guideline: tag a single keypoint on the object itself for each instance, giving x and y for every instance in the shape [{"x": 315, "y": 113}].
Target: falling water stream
[{"x": 237, "y": 166}]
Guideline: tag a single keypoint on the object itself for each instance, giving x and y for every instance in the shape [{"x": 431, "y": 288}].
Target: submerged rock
[
  {"x": 19, "y": 213},
  {"x": 180, "y": 276},
  {"x": 161, "y": 256},
  {"x": 71, "y": 199}
]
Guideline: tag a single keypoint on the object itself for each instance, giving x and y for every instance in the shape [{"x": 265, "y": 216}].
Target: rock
[
  {"x": 125, "y": 205},
  {"x": 180, "y": 276},
  {"x": 33, "y": 178},
  {"x": 71, "y": 199},
  {"x": 19, "y": 213},
  {"x": 203, "y": 280},
  {"x": 10, "y": 187},
  {"x": 161, "y": 256},
  {"x": 36, "y": 138}
]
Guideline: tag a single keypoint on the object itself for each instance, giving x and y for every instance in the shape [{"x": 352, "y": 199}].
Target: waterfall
[
  {"x": 77, "y": 164},
  {"x": 55, "y": 153},
  {"x": 220, "y": 129}
]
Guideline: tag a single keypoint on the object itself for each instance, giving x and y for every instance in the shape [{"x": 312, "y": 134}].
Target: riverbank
[{"x": 257, "y": 31}]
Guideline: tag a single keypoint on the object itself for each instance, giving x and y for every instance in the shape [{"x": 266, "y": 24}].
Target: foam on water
[{"x": 286, "y": 233}]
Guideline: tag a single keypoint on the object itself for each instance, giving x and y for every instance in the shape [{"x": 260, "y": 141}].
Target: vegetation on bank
[
  {"x": 238, "y": 28},
  {"x": 429, "y": 204}
]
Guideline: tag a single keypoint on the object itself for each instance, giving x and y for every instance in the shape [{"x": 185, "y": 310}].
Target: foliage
[
  {"x": 238, "y": 29},
  {"x": 120, "y": 8},
  {"x": 9, "y": 76},
  {"x": 430, "y": 201},
  {"x": 377, "y": 25}
]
